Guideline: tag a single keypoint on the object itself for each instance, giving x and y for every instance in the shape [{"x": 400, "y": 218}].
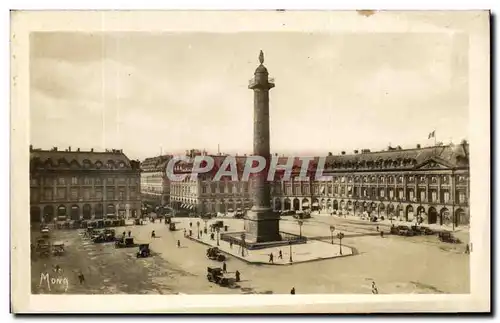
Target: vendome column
[{"x": 262, "y": 224}]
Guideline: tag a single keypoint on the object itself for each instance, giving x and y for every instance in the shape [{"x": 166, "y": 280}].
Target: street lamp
[
  {"x": 300, "y": 223},
  {"x": 290, "y": 242},
  {"x": 198, "y": 226},
  {"x": 340, "y": 236},
  {"x": 332, "y": 228},
  {"x": 218, "y": 230}
]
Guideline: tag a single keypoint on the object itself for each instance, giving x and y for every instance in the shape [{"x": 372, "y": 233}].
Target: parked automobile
[
  {"x": 215, "y": 254},
  {"x": 446, "y": 236},
  {"x": 144, "y": 251}
]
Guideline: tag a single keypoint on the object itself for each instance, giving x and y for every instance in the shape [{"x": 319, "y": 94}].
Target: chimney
[
  {"x": 69, "y": 148},
  {"x": 55, "y": 148},
  {"x": 356, "y": 151},
  {"x": 330, "y": 153},
  {"x": 91, "y": 150},
  {"x": 343, "y": 153},
  {"x": 78, "y": 149},
  {"x": 31, "y": 147},
  {"x": 418, "y": 146}
]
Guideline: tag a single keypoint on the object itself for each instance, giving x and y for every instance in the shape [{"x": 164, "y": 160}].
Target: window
[
  {"x": 74, "y": 194},
  {"x": 61, "y": 181},
  {"x": 34, "y": 196},
  {"x": 245, "y": 187},
  {"x": 411, "y": 195},
  {"x": 434, "y": 179},
  {"x": 86, "y": 194},
  {"x": 98, "y": 194},
  {"x": 34, "y": 181},
  {"x": 461, "y": 179},
  {"x": 433, "y": 196},
  {"x": 365, "y": 179},
  {"x": 445, "y": 180},
  {"x": 221, "y": 187},
  {"x": 446, "y": 196},
  {"x": 296, "y": 189},
  {"x": 411, "y": 179},
  {"x": 382, "y": 193},
  {"x": 203, "y": 189},
  {"x": 229, "y": 188},
  {"x": 74, "y": 180},
  {"x": 422, "y": 196},
  {"x": 365, "y": 192},
  {"x": 329, "y": 189},
  {"x": 121, "y": 193},
  {"x": 87, "y": 181},
  {"x": 391, "y": 194},
  {"x": 110, "y": 193},
  {"x": 342, "y": 191},
  {"x": 238, "y": 188},
  {"x": 400, "y": 179},
  {"x": 381, "y": 179},
  {"x": 133, "y": 193},
  {"x": 422, "y": 179},
  {"x": 61, "y": 193},
  {"x": 47, "y": 194},
  {"x": 400, "y": 194},
  {"x": 110, "y": 180},
  {"x": 461, "y": 197},
  {"x": 306, "y": 190},
  {"x": 391, "y": 180},
  {"x": 98, "y": 181}
]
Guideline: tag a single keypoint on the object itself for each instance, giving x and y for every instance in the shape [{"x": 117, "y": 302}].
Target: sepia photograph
[{"x": 234, "y": 159}]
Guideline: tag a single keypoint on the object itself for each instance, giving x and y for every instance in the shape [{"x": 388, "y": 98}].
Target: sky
[{"x": 152, "y": 93}]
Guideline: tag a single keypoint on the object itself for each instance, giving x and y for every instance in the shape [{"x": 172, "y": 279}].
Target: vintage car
[
  {"x": 125, "y": 242},
  {"x": 217, "y": 224},
  {"x": 215, "y": 254},
  {"x": 446, "y": 236},
  {"x": 216, "y": 275},
  {"x": 422, "y": 230},
  {"x": 58, "y": 248},
  {"x": 171, "y": 226},
  {"x": 302, "y": 215},
  {"x": 402, "y": 230},
  {"x": 43, "y": 247},
  {"x": 144, "y": 251}
]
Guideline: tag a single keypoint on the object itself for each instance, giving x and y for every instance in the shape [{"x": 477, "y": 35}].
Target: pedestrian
[
  {"x": 467, "y": 249},
  {"x": 184, "y": 232},
  {"x": 377, "y": 228},
  {"x": 374, "y": 288},
  {"x": 81, "y": 278},
  {"x": 292, "y": 291},
  {"x": 190, "y": 224},
  {"x": 280, "y": 255},
  {"x": 178, "y": 243},
  {"x": 231, "y": 244},
  {"x": 153, "y": 234},
  {"x": 129, "y": 233},
  {"x": 381, "y": 234},
  {"x": 124, "y": 234},
  {"x": 201, "y": 233},
  {"x": 224, "y": 267},
  {"x": 237, "y": 276},
  {"x": 271, "y": 260}
]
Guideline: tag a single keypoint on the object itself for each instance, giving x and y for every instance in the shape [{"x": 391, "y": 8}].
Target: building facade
[
  {"x": 430, "y": 183},
  {"x": 75, "y": 185},
  {"x": 155, "y": 185}
]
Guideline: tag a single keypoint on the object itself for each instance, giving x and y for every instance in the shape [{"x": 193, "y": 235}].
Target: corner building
[
  {"x": 155, "y": 185},
  {"x": 76, "y": 185}
]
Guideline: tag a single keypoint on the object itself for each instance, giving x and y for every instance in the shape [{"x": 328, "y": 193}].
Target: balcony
[{"x": 253, "y": 82}]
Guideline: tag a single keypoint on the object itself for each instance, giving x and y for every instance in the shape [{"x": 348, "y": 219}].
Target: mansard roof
[
  {"x": 155, "y": 164},
  {"x": 56, "y": 159}
]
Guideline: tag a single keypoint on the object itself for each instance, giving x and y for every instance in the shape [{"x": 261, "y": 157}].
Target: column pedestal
[{"x": 262, "y": 225}]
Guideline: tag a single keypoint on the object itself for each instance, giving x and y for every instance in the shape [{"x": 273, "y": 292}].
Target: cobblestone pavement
[{"x": 396, "y": 264}]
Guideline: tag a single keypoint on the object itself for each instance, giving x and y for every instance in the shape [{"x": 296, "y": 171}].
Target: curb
[{"x": 272, "y": 264}]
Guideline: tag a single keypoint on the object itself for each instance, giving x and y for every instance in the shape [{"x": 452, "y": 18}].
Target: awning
[
  {"x": 305, "y": 204},
  {"x": 315, "y": 204},
  {"x": 191, "y": 207},
  {"x": 182, "y": 205}
]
